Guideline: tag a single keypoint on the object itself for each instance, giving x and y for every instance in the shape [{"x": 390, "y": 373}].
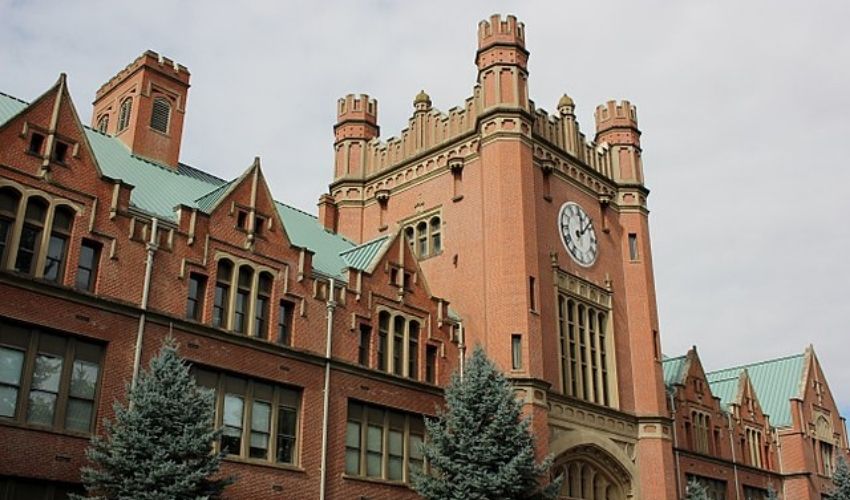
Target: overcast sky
[{"x": 744, "y": 108}]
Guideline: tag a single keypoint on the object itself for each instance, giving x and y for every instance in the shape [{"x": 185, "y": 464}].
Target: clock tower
[{"x": 539, "y": 238}]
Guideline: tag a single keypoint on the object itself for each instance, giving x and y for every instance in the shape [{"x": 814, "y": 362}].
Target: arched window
[
  {"x": 422, "y": 239},
  {"x": 9, "y": 200},
  {"x": 243, "y": 299},
  {"x": 261, "y": 310},
  {"x": 383, "y": 335},
  {"x": 103, "y": 124},
  {"x": 160, "y": 114},
  {"x": 124, "y": 114},
  {"x": 54, "y": 263},
  {"x": 224, "y": 278},
  {"x": 436, "y": 241},
  {"x": 411, "y": 240},
  {"x": 31, "y": 235},
  {"x": 398, "y": 344}
]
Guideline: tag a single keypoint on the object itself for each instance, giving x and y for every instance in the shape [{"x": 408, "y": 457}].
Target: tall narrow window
[
  {"x": 103, "y": 124},
  {"x": 261, "y": 422},
  {"x": 564, "y": 345},
  {"x": 31, "y": 235},
  {"x": 284, "y": 322},
  {"x": 36, "y": 143},
  {"x": 532, "y": 293},
  {"x": 224, "y": 278},
  {"x": 287, "y": 425},
  {"x": 594, "y": 367},
  {"x": 582, "y": 343},
  {"x": 13, "y": 349},
  {"x": 243, "y": 299},
  {"x": 195, "y": 300},
  {"x": 430, "y": 364},
  {"x": 81, "y": 392},
  {"x": 516, "y": 352},
  {"x": 416, "y": 460},
  {"x": 124, "y": 114},
  {"x": 363, "y": 347},
  {"x": 233, "y": 415},
  {"x": 395, "y": 447},
  {"x": 87, "y": 267},
  {"x": 436, "y": 239},
  {"x": 54, "y": 263},
  {"x": 160, "y": 114},
  {"x": 422, "y": 239},
  {"x": 374, "y": 442},
  {"x": 9, "y": 199},
  {"x": 398, "y": 344},
  {"x": 46, "y": 377},
  {"x": 383, "y": 338},
  {"x": 633, "y": 246},
  {"x": 602, "y": 324},
  {"x": 574, "y": 373},
  {"x": 261, "y": 308},
  {"x": 410, "y": 238},
  {"x": 353, "y": 438},
  {"x": 413, "y": 350}
]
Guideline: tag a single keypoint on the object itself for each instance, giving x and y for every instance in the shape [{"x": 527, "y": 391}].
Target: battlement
[
  {"x": 152, "y": 60},
  {"x": 499, "y": 32},
  {"x": 354, "y": 107},
  {"x": 615, "y": 115}
]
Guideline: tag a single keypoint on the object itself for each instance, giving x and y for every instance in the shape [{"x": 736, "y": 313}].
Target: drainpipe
[
  {"x": 151, "y": 248},
  {"x": 734, "y": 461},
  {"x": 331, "y": 305},
  {"x": 676, "y": 444},
  {"x": 781, "y": 465}
]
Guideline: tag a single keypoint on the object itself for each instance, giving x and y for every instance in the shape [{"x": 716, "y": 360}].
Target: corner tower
[
  {"x": 144, "y": 106},
  {"x": 356, "y": 124},
  {"x": 502, "y": 62}
]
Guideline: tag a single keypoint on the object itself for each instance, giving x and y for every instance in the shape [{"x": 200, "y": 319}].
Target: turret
[
  {"x": 144, "y": 106},
  {"x": 617, "y": 125},
  {"x": 502, "y": 62},
  {"x": 356, "y": 124}
]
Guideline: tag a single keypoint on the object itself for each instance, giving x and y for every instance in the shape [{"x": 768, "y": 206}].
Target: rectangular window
[
  {"x": 383, "y": 334},
  {"x": 195, "y": 300},
  {"x": 383, "y": 443},
  {"x": 87, "y": 266},
  {"x": 13, "y": 488},
  {"x": 284, "y": 322},
  {"x": 222, "y": 291},
  {"x": 48, "y": 380},
  {"x": 363, "y": 347},
  {"x": 60, "y": 152},
  {"x": 716, "y": 488},
  {"x": 259, "y": 419},
  {"x": 36, "y": 143},
  {"x": 430, "y": 364},
  {"x": 633, "y": 246},
  {"x": 261, "y": 316},
  {"x": 516, "y": 352},
  {"x": 241, "y": 310},
  {"x": 753, "y": 493}
]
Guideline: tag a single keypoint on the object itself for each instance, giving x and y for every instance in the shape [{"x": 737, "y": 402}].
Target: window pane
[
  {"x": 41, "y": 407},
  {"x": 352, "y": 462},
  {"x": 11, "y": 363},
  {"x": 233, "y": 410},
  {"x": 8, "y": 400},
  {"x": 78, "y": 415},
  {"x": 259, "y": 445},
  {"x": 373, "y": 465},
  {"x": 286, "y": 429},
  {"x": 261, "y": 416},
  {"x": 374, "y": 438},
  {"x": 394, "y": 468},
  {"x": 395, "y": 442},
  {"x": 48, "y": 370},
  {"x": 55, "y": 257},
  {"x": 416, "y": 447},
  {"x": 352, "y": 435},
  {"x": 84, "y": 379},
  {"x": 26, "y": 248}
]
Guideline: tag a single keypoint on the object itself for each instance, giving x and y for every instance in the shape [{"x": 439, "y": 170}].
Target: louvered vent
[{"x": 160, "y": 114}]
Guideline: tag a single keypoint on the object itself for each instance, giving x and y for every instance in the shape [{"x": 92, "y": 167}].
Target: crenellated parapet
[{"x": 151, "y": 60}]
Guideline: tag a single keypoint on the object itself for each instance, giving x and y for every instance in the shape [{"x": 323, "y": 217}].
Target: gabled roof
[
  {"x": 775, "y": 381},
  {"x": 363, "y": 256},
  {"x": 674, "y": 369},
  {"x": 158, "y": 189}
]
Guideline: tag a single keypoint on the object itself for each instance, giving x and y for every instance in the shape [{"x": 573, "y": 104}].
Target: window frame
[
  {"x": 96, "y": 248},
  {"x": 196, "y": 299},
  {"x": 125, "y": 113},
  {"x": 32, "y": 349},
  {"x": 162, "y": 101},
  {"x": 585, "y": 350}
]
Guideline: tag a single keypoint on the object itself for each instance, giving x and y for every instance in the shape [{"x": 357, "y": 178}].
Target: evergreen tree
[
  {"x": 159, "y": 446},
  {"x": 696, "y": 491},
  {"x": 841, "y": 480},
  {"x": 480, "y": 447}
]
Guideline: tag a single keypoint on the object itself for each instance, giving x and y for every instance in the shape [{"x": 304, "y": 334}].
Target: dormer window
[
  {"x": 242, "y": 220},
  {"x": 103, "y": 124},
  {"x": 60, "y": 152},
  {"x": 36, "y": 143},
  {"x": 160, "y": 114},
  {"x": 124, "y": 114}
]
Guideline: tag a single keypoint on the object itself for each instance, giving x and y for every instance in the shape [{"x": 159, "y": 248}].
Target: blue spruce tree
[
  {"x": 160, "y": 446},
  {"x": 480, "y": 447},
  {"x": 841, "y": 480},
  {"x": 696, "y": 491}
]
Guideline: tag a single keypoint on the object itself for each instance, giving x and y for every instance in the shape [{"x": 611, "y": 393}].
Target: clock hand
[{"x": 585, "y": 228}]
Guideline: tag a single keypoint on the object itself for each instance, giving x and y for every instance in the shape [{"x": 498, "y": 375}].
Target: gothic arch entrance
[{"x": 590, "y": 473}]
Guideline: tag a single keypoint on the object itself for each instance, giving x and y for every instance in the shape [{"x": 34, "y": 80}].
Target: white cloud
[{"x": 743, "y": 106}]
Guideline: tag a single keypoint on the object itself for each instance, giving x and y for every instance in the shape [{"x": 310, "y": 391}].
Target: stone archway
[{"x": 591, "y": 473}]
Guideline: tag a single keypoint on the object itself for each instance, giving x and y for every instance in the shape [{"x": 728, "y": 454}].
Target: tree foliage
[
  {"x": 160, "y": 445},
  {"x": 480, "y": 446},
  {"x": 696, "y": 491},
  {"x": 841, "y": 480}
]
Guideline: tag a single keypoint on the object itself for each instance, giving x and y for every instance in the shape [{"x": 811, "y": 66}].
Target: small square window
[
  {"x": 633, "y": 246},
  {"x": 259, "y": 222},
  {"x": 60, "y": 152},
  {"x": 242, "y": 219},
  {"x": 36, "y": 142}
]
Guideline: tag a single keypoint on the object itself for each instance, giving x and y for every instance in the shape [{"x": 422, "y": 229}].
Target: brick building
[{"x": 327, "y": 339}]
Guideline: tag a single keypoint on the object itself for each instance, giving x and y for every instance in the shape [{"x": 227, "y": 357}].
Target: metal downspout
[
  {"x": 734, "y": 461},
  {"x": 137, "y": 357},
  {"x": 331, "y": 305}
]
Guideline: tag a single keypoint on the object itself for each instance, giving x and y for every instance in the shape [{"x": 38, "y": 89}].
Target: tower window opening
[
  {"x": 160, "y": 114},
  {"x": 124, "y": 114}
]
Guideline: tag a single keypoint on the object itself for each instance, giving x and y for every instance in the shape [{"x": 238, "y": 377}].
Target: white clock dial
[{"x": 577, "y": 234}]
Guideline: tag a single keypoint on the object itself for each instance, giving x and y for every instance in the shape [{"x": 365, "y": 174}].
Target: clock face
[{"x": 577, "y": 234}]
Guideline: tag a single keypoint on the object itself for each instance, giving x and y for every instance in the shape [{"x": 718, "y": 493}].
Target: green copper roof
[
  {"x": 672, "y": 368},
  {"x": 725, "y": 389},
  {"x": 775, "y": 381},
  {"x": 159, "y": 189},
  {"x": 361, "y": 256}
]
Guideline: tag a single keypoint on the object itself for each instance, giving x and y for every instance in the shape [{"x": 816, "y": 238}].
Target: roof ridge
[
  {"x": 757, "y": 363},
  {"x": 674, "y": 358},
  {"x": 190, "y": 167},
  {"x": 361, "y": 245},
  {"x": 15, "y": 98}
]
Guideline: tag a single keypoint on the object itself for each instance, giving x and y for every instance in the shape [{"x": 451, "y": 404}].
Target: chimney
[
  {"x": 328, "y": 212},
  {"x": 144, "y": 106}
]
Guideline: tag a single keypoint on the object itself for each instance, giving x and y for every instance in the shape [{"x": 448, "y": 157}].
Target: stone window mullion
[
  {"x": 15, "y": 239},
  {"x": 252, "y": 303},
  {"x": 41, "y": 252},
  {"x": 231, "y": 299}
]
